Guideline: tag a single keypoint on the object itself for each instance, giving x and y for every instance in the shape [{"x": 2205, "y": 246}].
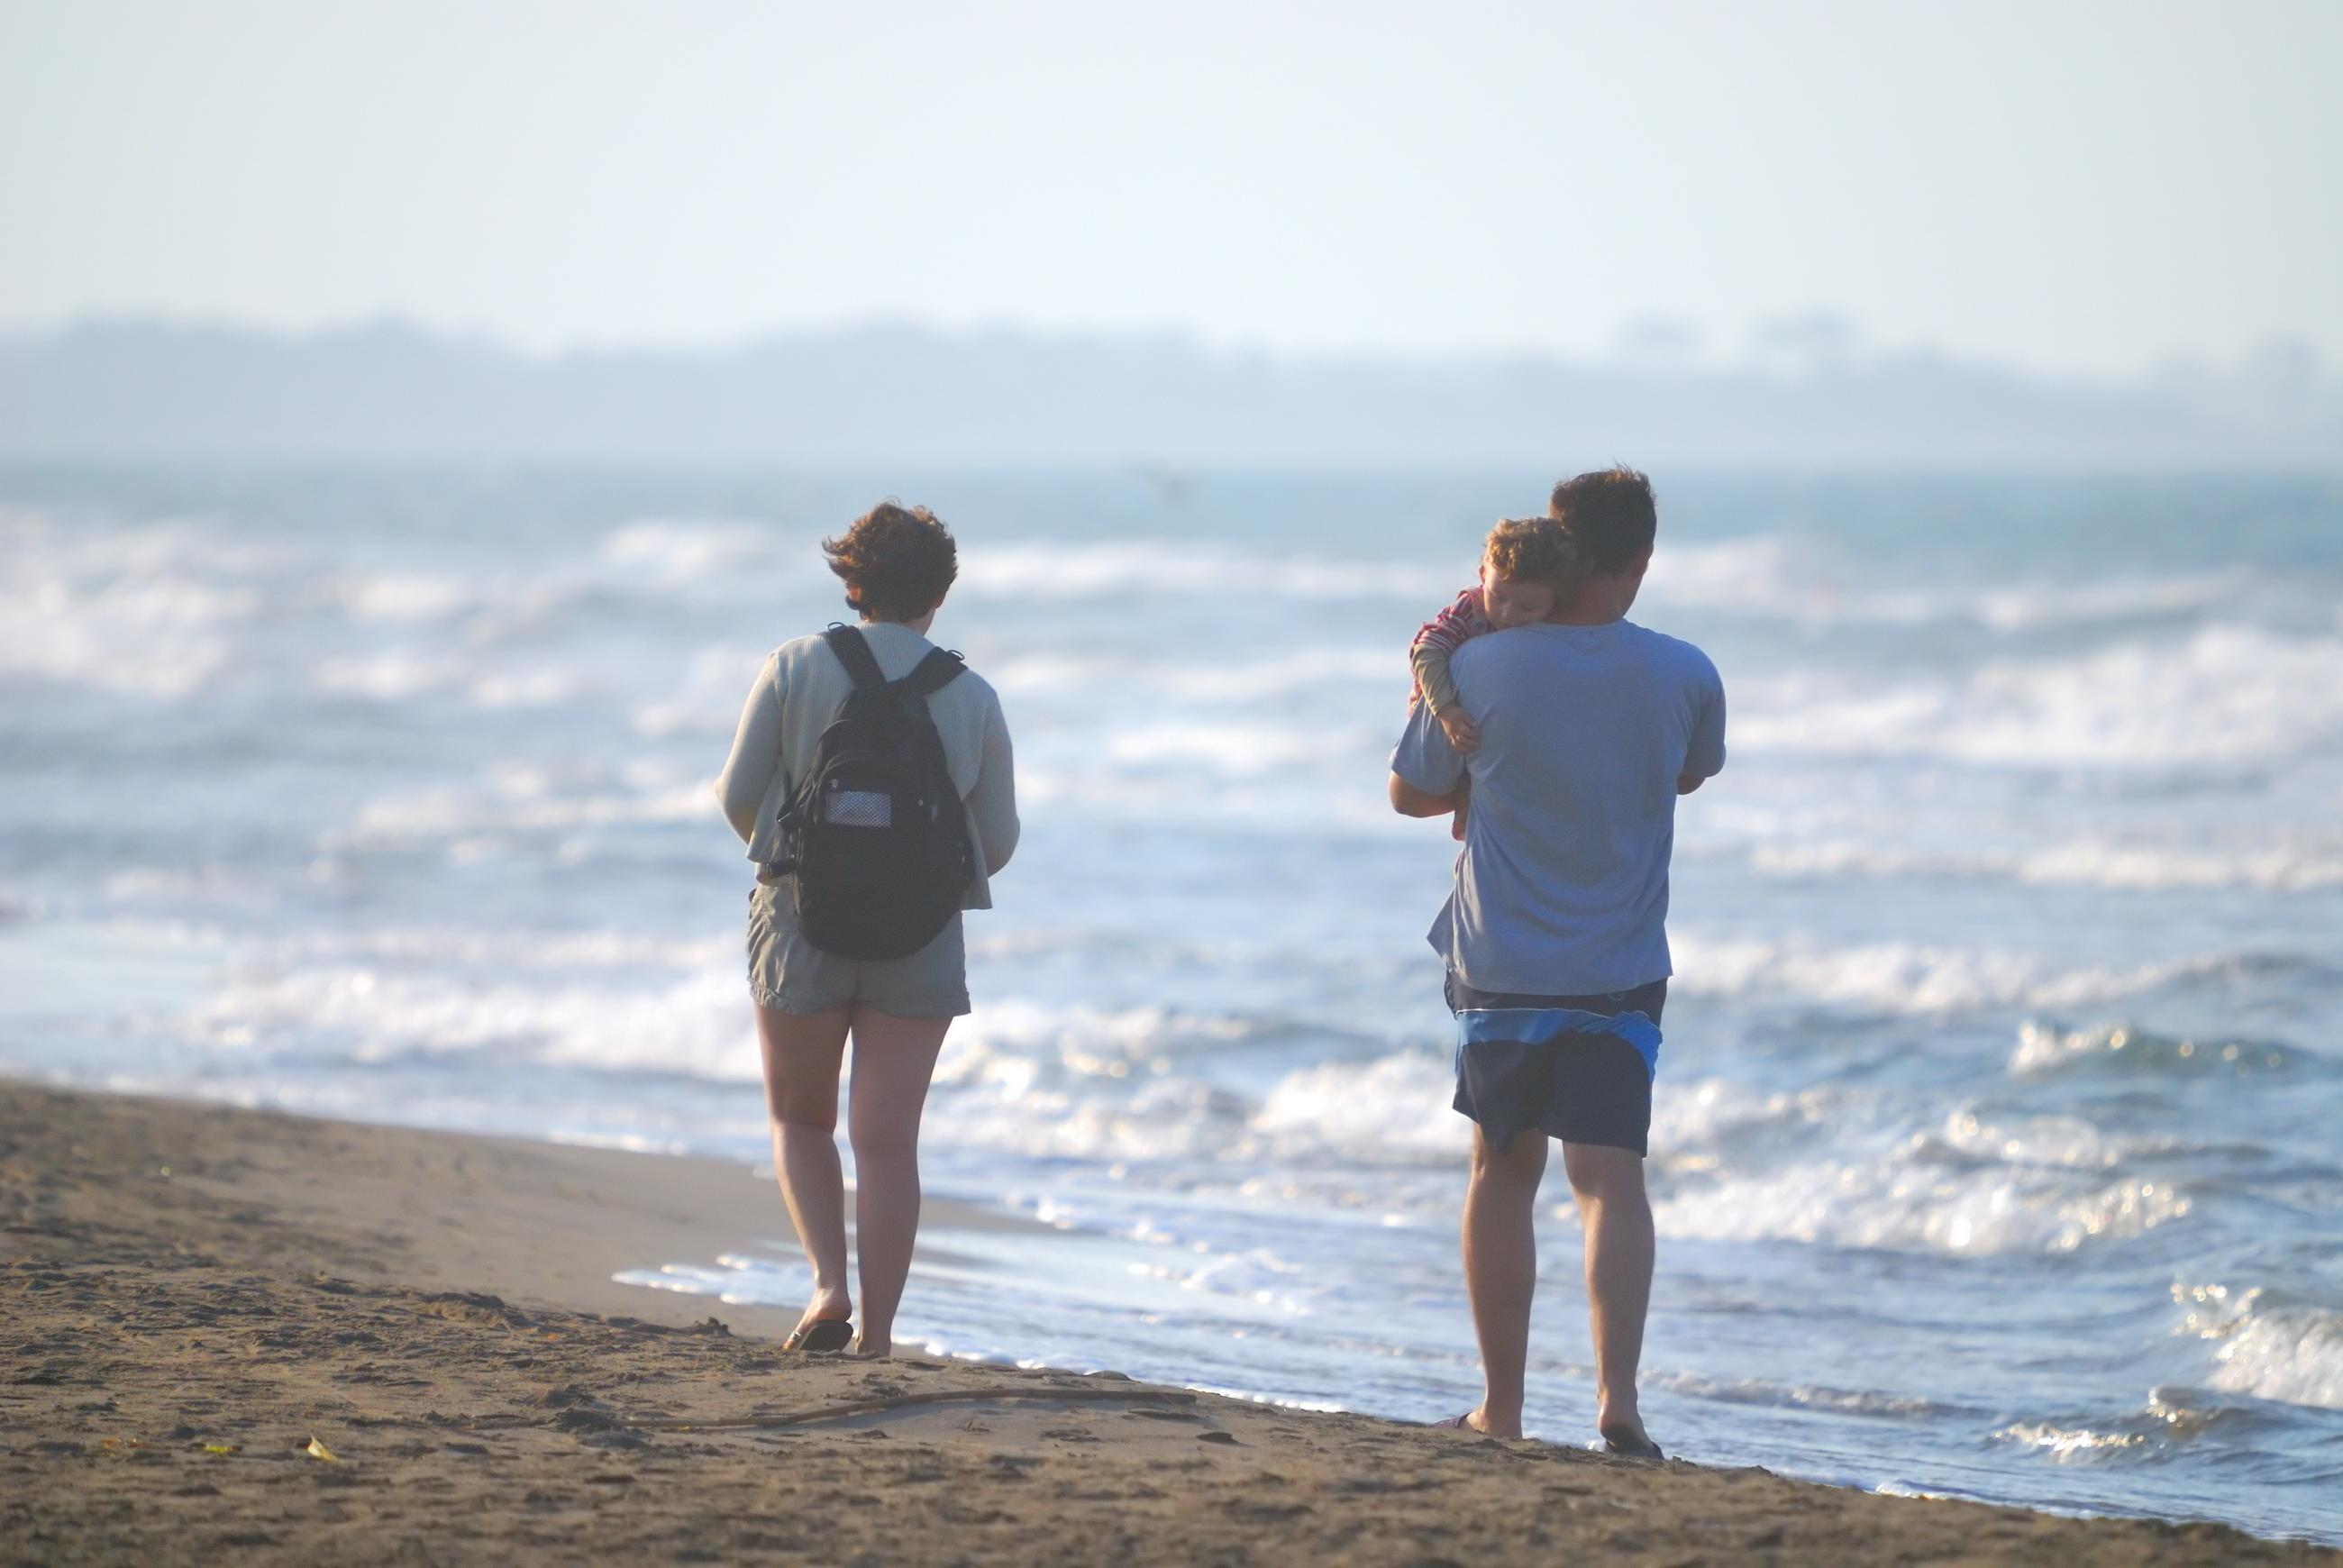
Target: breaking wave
[
  {"x": 2266, "y": 1342},
  {"x": 2222, "y": 696}
]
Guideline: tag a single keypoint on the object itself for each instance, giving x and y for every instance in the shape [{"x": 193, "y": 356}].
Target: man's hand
[
  {"x": 1688, "y": 782},
  {"x": 1410, "y": 801},
  {"x": 1458, "y": 726}
]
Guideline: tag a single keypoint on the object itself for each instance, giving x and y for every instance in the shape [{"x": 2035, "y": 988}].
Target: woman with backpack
[{"x": 871, "y": 779}]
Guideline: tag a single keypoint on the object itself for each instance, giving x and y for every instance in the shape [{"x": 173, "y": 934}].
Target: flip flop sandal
[
  {"x": 828, "y": 1336},
  {"x": 1628, "y": 1445},
  {"x": 1460, "y": 1424}
]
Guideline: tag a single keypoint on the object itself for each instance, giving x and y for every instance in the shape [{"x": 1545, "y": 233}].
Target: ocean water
[{"x": 1997, "y": 1150}]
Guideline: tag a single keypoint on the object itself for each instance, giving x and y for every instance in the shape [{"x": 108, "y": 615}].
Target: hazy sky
[{"x": 2084, "y": 186}]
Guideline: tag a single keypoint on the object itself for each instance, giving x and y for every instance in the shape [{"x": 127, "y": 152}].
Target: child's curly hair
[
  {"x": 897, "y": 561},
  {"x": 1537, "y": 550}
]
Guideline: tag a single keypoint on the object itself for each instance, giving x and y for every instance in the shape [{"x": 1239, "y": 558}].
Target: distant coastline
[{"x": 107, "y": 390}]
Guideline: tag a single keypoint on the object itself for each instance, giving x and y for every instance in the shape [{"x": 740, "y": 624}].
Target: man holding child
[{"x": 1575, "y": 733}]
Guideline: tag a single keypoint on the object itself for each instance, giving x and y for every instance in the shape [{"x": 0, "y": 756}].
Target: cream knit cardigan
[{"x": 797, "y": 694}]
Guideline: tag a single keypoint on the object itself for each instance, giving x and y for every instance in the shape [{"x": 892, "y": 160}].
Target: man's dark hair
[
  {"x": 1610, "y": 513},
  {"x": 897, "y": 561}
]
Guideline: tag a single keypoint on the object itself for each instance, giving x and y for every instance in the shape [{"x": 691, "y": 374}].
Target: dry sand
[{"x": 190, "y": 1295}]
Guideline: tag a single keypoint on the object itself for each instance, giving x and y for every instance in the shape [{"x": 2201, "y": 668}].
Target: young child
[{"x": 1527, "y": 564}]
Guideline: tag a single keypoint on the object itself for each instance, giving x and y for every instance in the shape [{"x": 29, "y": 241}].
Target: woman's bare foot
[
  {"x": 1479, "y": 1422},
  {"x": 1623, "y": 1433},
  {"x": 826, "y": 1306},
  {"x": 861, "y": 1349}
]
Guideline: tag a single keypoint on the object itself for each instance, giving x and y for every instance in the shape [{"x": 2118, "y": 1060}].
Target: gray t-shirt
[{"x": 1563, "y": 886}]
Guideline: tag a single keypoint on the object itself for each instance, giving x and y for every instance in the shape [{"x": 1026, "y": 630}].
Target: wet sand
[{"x": 192, "y": 1296}]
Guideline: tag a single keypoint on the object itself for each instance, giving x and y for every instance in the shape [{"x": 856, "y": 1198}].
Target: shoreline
[{"x": 191, "y": 1293}]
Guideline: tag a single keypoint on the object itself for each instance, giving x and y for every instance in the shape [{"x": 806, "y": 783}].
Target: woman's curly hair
[
  {"x": 897, "y": 561},
  {"x": 1537, "y": 550}
]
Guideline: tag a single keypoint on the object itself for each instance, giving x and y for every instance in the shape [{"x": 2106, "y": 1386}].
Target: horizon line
[{"x": 1834, "y": 342}]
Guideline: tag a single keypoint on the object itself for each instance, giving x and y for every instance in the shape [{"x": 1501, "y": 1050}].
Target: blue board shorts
[{"x": 1576, "y": 1067}]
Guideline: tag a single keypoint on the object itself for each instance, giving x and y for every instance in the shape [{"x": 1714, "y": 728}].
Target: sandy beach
[{"x": 199, "y": 1304}]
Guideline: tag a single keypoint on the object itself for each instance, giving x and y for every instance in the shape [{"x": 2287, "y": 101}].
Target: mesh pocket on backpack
[{"x": 859, "y": 809}]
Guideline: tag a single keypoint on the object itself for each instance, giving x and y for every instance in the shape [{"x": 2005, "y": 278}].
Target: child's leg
[{"x": 1463, "y": 798}]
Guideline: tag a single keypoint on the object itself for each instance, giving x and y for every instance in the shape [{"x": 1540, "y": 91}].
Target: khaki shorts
[{"x": 790, "y": 973}]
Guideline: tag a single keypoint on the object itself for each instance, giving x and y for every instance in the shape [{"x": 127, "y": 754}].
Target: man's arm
[
  {"x": 1410, "y": 801},
  {"x": 1424, "y": 768},
  {"x": 1704, "y": 756}
]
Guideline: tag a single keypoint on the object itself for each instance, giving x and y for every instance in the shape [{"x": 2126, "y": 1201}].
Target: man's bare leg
[
  {"x": 1617, "y": 1216},
  {"x": 1501, "y": 1270}
]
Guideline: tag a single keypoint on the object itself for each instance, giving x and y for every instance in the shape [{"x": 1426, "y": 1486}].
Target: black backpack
[{"x": 875, "y": 835}]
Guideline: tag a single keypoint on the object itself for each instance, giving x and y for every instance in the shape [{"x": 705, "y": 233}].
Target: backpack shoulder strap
[
  {"x": 938, "y": 670},
  {"x": 853, "y": 651}
]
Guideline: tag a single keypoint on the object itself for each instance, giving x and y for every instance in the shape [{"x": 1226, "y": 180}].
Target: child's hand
[{"x": 1462, "y": 732}]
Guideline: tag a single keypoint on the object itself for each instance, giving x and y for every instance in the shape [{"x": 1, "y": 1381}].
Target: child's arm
[{"x": 1429, "y": 658}]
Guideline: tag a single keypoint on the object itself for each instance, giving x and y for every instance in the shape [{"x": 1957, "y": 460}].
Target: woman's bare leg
[
  {"x": 894, "y": 1058},
  {"x": 802, "y": 1052}
]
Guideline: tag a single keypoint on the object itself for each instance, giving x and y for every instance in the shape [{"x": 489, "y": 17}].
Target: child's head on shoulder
[{"x": 1528, "y": 566}]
